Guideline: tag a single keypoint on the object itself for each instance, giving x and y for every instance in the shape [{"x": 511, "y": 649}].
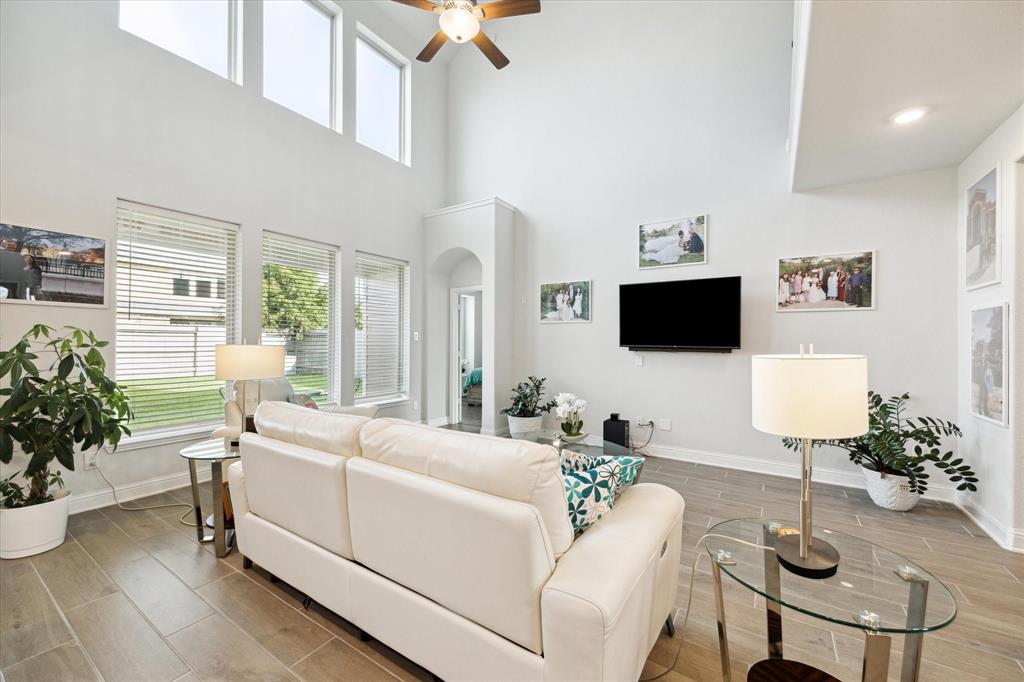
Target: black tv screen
[{"x": 688, "y": 314}]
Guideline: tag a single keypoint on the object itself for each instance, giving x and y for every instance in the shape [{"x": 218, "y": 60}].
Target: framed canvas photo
[
  {"x": 683, "y": 241},
  {"x": 39, "y": 267},
  {"x": 565, "y": 302},
  {"x": 841, "y": 281},
  {"x": 983, "y": 242},
  {"x": 989, "y": 387}
]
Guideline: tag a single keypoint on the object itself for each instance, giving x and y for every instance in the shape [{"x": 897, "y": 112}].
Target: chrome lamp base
[{"x": 822, "y": 560}]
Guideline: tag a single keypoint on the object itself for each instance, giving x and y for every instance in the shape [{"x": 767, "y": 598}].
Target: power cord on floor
[
  {"x": 697, "y": 554},
  {"x": 113, "y": 491}
]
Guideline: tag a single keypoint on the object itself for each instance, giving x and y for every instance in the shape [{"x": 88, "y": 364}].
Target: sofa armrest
[{"x": 611, "y": 591}]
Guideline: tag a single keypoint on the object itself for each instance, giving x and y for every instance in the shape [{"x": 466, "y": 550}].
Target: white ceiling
[{"x": 867, "y": 60}]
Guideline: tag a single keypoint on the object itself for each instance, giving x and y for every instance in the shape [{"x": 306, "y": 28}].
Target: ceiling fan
[{"x": 460, "y": 21}]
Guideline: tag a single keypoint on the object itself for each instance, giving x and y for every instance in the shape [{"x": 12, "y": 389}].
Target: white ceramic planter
[
  {"x": 524, "y": 424},
  {"x": 890, "y": 491},
  {"x": 31, "y": 530}
]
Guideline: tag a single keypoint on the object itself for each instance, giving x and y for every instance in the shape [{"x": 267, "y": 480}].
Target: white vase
[
  {"x": 524, "y": 424},
  {"x": 890, "y": 491},
  {"x": 25, "y": 531}
]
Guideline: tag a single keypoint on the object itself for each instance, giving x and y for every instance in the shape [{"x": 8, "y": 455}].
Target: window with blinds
[
  {"x": 298, "y": 311},
  {"x": 176, "y": 300},
  {"x": 381, "y": 329}
]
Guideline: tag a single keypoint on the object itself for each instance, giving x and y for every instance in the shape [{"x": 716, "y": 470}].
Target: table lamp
[
  {"x": 810, "y": 397},
  {"x": 244, "y": 362}
]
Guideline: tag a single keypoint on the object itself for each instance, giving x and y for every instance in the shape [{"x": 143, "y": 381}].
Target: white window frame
[
  {"x": 333, "y": 11},
  {"x": 334, "y": 324},
  {"x": 234, "y": 42},
  {"x": 402, "y": 397},
  {"x": 405, "y": 105}
]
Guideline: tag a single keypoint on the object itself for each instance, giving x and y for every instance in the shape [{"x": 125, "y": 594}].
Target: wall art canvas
[
  {"x": 43, "y": 266},
  {"x": 988, "y": 363},
  {"x": 565, "y": 302},
  {"x": 983, "y": 238},
  {"x": 683, "y": 241},
  {"x": 842, "y": 281}
]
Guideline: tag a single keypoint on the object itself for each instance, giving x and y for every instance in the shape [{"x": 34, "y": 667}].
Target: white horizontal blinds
[
  {"x": 176, "y": 300},
  {"x": 298, "y": 311},
  {"x": 382, "y": 321}
]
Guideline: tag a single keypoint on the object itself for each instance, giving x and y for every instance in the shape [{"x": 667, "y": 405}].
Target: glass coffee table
[{"x": 875, "y": 590}]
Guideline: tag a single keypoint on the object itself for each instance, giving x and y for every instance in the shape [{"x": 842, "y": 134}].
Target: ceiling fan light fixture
[{"x": 459, "y": 22}]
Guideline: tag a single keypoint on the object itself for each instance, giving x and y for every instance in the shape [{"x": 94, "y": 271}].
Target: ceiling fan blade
[
  {"x": 490, "y": 50},
  {"x": 509, "y": 8},
  {"x": 428, "y": 52},
  {"x": 418, "y": 4}
]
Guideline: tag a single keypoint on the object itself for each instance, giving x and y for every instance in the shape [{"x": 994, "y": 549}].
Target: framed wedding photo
[
  {"x": 983, "y": 242},
  {"x": 565, "y": 302},
  {"x": 989, "y": 387},
  {"x": 832, "y": 283},
  {"x": 43, "y": 267},
  {"x": 683, "y": 241}
]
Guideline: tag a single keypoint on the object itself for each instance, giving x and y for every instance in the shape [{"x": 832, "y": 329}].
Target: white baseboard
[
  {"x": 438, "y": 421},
  {"x": 131, "y": 491},
  {"x": 832, "y": 476},
  {"x": 1006, "y": 537}
]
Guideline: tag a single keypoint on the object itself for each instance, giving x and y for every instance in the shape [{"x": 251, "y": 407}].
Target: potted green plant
[
  {"x": 893, "y": 453},
  {"x": 48, "y": 414},
  {"x": 526, "y": 412}
]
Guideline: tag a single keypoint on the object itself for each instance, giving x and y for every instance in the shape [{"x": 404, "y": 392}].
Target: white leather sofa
[{"x": 455, "y": 549}]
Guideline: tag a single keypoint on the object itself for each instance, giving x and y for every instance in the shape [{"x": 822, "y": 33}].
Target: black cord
[{"x": 650, "y": 437}]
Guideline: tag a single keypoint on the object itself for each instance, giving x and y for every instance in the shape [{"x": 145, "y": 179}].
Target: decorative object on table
[
  {"x": 989, "y": 380},
  {"x": 616, "y": 430},
  {"x": 569, "y": 408},
  {"x": 241, "y": 362},
  {"x": 565, "y": 302},
  {"x": 43, "y": 266},
  {"x": 836, "y": 282},
  {"x": 50, "y": 413},
  {"x": 775, "y": 379},
  {"x": 896, "y": 477},
  {"x": 683, "y": 241},
  {"x": 216, "y": 453},
  {"x": 526, "y": 412},
  {"x": 981, "y": 217}
]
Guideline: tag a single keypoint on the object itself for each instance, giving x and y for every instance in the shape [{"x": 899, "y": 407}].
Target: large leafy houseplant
[
  {"x": 526, "y": 399},
  {"x": 901, "y": 446},
  {"x": 49, "y": 413}
]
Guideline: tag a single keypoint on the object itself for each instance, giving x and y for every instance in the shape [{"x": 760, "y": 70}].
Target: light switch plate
[{"x": 415, "y": 336}]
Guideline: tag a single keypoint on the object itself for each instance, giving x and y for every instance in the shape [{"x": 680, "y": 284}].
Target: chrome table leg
[
  {"x": 876, "y": 657},
  {"x": 772, "y": 585},
  {"x": 723, "y": 639},
  {"x": 916, "y": 605},
  {"x": 201, "y": 534}
]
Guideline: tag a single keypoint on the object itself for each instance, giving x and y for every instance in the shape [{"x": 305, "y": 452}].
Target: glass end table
[
  {"x": 548, "y": 437},
  {"x": 874, "y": 590},
  {"x": 214, "y": 452}
]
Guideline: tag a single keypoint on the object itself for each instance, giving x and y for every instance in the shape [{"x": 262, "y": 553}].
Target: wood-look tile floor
[{"x": 132, "y": 596}]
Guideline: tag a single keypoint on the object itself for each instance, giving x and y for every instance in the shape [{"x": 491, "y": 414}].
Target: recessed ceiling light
[{"x": 908, "y": 116}]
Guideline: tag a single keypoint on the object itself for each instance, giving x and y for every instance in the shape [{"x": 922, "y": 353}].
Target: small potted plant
[
  {"x": 526, "y": 412},
  {"x": 895, "y": 473},
  {"x": 569, "y": 408},
  {"x": 49, "y": 414}
]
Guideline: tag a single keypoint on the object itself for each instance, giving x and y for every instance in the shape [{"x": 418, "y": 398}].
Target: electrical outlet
[
  {"x": 665, "y": 424},
  {"x": 415, "y": 405},
  {"x": 89, "y": 459},
  {"x": 415, "y": 336},
  {"x": 638, "y": 359},
  {"x": 640, "y": 421}
]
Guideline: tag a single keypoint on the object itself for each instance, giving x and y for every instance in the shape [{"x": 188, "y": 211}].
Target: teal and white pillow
[{"x": 590, "y": 493}]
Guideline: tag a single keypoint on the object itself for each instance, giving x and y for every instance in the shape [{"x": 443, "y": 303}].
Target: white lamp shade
[
  {"x": 811, "y": 396},
  {"x": 239, "y": 362}
]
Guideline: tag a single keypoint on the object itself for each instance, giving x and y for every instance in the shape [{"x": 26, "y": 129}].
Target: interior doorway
[{"x": 466, "y": 380}]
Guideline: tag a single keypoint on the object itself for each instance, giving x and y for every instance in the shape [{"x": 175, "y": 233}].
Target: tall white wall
[
  {"x": 998, "y": 506},
  {"x": 89, "y": 113},
  {"x": 689, "y": 115}
]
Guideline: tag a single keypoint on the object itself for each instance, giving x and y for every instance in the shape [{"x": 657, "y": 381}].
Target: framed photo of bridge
[{"x": 39, "y": 266}]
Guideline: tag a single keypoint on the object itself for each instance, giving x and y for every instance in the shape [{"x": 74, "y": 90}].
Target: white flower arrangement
[{"x": 569, "y": 408}]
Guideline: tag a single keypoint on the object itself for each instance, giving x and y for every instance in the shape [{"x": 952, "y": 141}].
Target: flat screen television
[{"x": 682, "y": 315}]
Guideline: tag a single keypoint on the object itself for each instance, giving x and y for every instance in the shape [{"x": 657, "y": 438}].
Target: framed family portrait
[
  {"x": 836, "y": 282},
  {"x": 983, "y": 235},
  {"x": 989, "y": 331},
  {"x": 565, "y": 302},
  {"x": 39, "y": 267},
  {"x": 683, "y": 241}
]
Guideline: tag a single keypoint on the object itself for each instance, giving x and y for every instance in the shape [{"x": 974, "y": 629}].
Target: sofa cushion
[
  {"x": 513, "y": 469},
  {"x": 331, "y": 432},
  {"x": 593, "y": 482}
]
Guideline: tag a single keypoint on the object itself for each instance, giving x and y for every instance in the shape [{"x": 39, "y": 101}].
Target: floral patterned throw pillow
[{"x": 590, "y": 493}]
